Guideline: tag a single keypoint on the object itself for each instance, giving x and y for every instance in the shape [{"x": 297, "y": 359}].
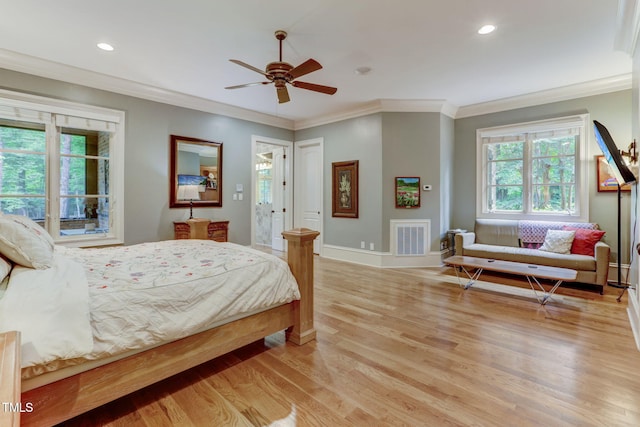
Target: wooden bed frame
[{"x": 61, "y": 400}]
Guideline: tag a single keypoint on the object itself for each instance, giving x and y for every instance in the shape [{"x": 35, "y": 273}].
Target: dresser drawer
[
  {"x": 216, "y": 230},
  {"x": 218, "y": 236},
  {"x": 181, "y": 230}
]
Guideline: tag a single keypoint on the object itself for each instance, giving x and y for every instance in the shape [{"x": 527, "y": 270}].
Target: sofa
[{"x": 520, "y": 241}]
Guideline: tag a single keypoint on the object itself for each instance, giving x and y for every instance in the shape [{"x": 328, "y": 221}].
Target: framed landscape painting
[
  {"x": 407, "y": 192},
  {"x": 344, "y": 198}
]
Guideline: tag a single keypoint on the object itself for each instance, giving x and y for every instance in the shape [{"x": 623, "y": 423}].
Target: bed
[{"x": 52, "y": 373}]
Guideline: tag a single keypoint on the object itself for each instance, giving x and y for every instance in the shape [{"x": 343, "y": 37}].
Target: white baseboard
[
  {"x": 380, "y": 259},
  {"x": 613, "y": 272},
  {"x": 633, "y": 310}
]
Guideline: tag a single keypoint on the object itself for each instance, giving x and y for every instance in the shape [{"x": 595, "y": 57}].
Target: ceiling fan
[{"x": 280, "y": 73}]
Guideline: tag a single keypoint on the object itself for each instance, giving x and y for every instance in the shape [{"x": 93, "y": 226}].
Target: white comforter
[
  {"x": 96, "y": 303},
  {"x": 50, "y": 308}
]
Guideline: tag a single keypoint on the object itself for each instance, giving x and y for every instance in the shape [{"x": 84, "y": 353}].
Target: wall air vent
[{"x": 410, "y": 237}]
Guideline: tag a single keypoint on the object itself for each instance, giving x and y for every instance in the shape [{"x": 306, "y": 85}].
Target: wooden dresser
[{"x": 216, "y": 230}]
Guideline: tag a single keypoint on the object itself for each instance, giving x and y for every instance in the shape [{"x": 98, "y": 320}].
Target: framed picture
[
  {"x": 344, "y": 198},
  {"x": 606, "y": 180},
  {"x": 407, "y": 192}
]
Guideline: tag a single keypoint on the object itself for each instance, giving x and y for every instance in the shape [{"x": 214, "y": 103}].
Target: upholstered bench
[{"x": 521, "y": 241}]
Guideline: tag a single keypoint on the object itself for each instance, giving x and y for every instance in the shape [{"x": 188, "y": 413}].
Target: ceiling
[{"x": 418, "y": 50}]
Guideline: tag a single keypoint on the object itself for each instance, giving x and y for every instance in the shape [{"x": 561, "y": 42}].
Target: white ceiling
[{"x": 417, "y": 49}]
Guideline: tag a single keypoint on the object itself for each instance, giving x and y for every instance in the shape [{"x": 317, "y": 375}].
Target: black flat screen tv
[{"x": 612, "y": 155}]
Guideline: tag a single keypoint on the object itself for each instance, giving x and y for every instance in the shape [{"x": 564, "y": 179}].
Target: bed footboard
[
  {"x": 10, "y": 379},
  {"x": 66, "y": 398},
  {"x": 300, "y": 259}
]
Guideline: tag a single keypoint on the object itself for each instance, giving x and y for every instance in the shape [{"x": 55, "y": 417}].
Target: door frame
[
  {"x": 288, "y": 167},
  {"x": 297, "y": 209}
]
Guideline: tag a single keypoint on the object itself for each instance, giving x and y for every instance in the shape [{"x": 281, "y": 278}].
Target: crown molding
[
  {"x": 54, "y": 70},
  {"x": 359, "y": 111},
  {"x": 380, "y": 106},
  {"x": 579, "y": 90},
  {"x": 419, "y": 106},
  {"x": 627, "y": 26}
]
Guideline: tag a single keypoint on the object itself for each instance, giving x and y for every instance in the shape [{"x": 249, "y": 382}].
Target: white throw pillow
[
  {"x": 558, "y": 241},
  {"x": 24, "y": 242}
]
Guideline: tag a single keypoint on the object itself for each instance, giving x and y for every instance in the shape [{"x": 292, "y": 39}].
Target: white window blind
[
  {"x": 557, "y": 133},
  {"x": 12, "y": 112},
  {"x": 85, "y": 123}
]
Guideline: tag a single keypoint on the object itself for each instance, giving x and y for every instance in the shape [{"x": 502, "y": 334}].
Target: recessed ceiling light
[
  {"x": 486, "y": 29},
  {"x": 105, "y": 46},
  {"x": 361, "y": 71}
]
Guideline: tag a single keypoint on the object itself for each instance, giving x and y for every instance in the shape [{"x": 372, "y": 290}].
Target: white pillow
[
  {"x": 558, "y": 241},
  {"x": 25, "y": 242}
]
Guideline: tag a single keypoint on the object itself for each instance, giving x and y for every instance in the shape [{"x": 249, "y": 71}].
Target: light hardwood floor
[{"x": 410, "y": 347}]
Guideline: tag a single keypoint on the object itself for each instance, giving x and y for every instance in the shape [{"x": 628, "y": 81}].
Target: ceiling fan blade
[
  {"x": 251, "y": 67},
  {"x": 316, "y": 88},
  {"x": 247, "y": 85},
  {"x": 309, "y": 66},
  {"x": 283, "y": 94}
]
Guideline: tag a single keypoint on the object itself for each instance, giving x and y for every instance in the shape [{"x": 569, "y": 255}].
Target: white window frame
[
  {"x": 46, "y": 110},
  {"x": 581, "y": 213}
]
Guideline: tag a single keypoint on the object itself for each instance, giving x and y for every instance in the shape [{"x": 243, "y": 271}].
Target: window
[
  {"x": 264, "y": 177},
  {"x": 533, "y": 170},
  {"x": 61, "y": 164}
]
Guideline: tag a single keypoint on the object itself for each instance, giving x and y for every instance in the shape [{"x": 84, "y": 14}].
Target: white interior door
[
  {"x": 278, "y": 186},
  {"x": 308, "y": 189}
]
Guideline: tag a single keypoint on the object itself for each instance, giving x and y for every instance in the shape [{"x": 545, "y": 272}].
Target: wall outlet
[
  {"x": 235, "y": 196},
  {"x": 371, "y": 247},
  {"x": 362, "y": 245}
]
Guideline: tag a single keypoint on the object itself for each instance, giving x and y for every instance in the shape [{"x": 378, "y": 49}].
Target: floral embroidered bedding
[{"x": 96, "y": 303}]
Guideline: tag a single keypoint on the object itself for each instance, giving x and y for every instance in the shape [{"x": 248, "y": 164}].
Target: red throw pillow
[{"x": 585, "y": 240}]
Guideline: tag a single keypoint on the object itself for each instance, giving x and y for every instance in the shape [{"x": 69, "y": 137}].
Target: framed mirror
[{"x": 195, "y": 172}]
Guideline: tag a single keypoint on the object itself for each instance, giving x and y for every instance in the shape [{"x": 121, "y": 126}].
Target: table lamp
[{"x": 189, "y": 192}]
